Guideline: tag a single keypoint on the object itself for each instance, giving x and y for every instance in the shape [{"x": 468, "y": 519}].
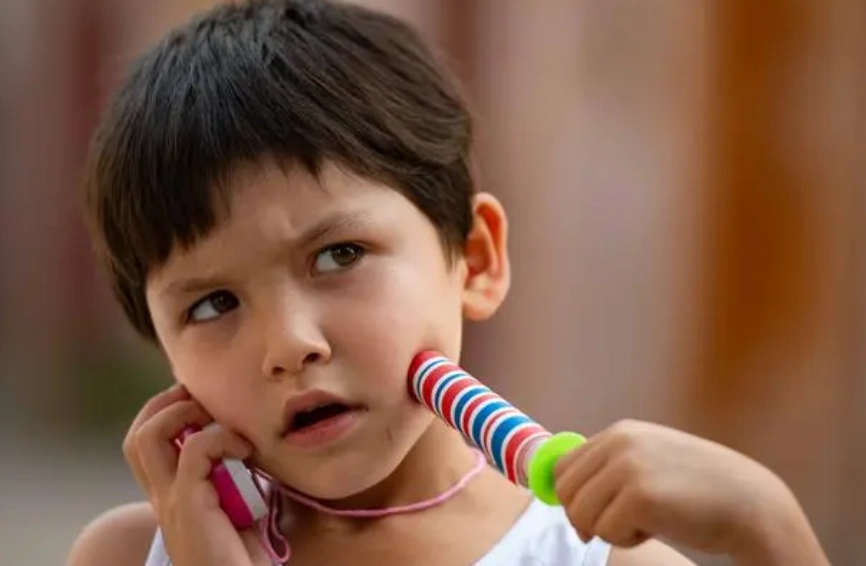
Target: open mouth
[{"x": 315, "y": 415}]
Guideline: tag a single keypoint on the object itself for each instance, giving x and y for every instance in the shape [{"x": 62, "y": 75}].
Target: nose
[{"x": 293, "y": 340}]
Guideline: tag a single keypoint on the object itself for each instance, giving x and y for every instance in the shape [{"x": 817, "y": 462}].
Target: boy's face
[{"x": 329, "y": 285}]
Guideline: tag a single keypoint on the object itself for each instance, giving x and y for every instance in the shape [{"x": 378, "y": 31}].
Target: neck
[{"x": 435, "y": 464}]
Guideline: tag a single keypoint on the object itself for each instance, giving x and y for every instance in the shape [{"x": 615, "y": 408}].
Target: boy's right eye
[{"x": 212, "y": 306}]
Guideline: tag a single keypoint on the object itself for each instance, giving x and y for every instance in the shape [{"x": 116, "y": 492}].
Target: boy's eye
[
  {"x": 212, "y": 306},
  {"x": 335, "y": 258}
]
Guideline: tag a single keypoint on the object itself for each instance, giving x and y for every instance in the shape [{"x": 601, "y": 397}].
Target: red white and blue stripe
[{"x": 485, "y": 419}]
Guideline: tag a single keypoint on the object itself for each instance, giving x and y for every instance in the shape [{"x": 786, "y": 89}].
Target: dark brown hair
[{"x": 301, "y": 81}]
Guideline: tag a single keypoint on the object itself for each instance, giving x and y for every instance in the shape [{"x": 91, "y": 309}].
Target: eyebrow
[
  {"x": 328, "y": 225},
  {"x": 339, "y": 221}
]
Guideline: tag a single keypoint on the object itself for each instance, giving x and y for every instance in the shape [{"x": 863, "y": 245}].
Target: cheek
[
  {"x": 218, "y": 384},
  {"x": 397, "y": 315}
]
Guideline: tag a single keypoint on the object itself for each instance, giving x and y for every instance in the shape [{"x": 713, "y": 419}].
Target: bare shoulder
[
  {"x": 118, "y": 537},
  {"x": 650, "y": 553}
]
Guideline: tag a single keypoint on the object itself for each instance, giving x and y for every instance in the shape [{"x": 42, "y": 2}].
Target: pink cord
[{"x": 270, "y": 526}]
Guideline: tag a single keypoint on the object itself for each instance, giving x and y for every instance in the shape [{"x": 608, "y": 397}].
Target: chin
[
  {"x": 341, "y": 477},
  {"x": 347, "y": 484},
  {"x": 355, "y": 469}
]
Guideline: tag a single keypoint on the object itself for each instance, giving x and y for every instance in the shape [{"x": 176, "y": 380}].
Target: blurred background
[{"x": 686, "y": 186}]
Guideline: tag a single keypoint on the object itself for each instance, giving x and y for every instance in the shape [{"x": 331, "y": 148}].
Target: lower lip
[{"x": 324, "y": 432}]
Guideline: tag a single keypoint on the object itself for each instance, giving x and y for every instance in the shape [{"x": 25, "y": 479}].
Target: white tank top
[{"x": 541, "y": 536}]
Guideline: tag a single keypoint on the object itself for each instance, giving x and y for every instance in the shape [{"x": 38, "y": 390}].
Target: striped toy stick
[{"x": 520, "y": 448}]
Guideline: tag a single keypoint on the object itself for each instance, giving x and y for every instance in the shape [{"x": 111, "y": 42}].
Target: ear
[{"x": 488, "y": 272}]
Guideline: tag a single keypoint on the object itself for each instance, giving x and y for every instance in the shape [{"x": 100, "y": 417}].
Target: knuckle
[
  {"x": 632, "y": 466},
  {"x": 643, "y": 497},
  {"x": 623, "y": 426},
  {"x": 129, "y": 456},
  {"x": 134, "y": 441},
  {"x": 142, "y": 435},
  {"x": 625, "y": 430},
  {"x": 616, "y": 530},
  {"x": 128, "y": 446},
  {"x": 608, "y": 531},
  {"x": 573, "y": 513},
  {"x": 195, "y": 443},
  {"x": 620, "y": 539},
  {"x": 578, "y": 520},
  {"x": 152, "y": 405},
  {"x": 200, "y": 443}
]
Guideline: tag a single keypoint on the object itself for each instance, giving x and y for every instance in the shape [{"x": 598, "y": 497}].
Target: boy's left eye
[{"x": 335, "y": 258}]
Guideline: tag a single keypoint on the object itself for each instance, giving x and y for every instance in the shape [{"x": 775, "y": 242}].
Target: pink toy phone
[{"x": 239, "y": 496}]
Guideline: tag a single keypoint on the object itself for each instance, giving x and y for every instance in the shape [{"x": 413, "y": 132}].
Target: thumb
[{"x": 255, "y": 541}]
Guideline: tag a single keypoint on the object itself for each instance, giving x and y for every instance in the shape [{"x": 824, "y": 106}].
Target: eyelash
[
  {"x": 359, "y": 250},
  {"x": 189, "y": 316}
]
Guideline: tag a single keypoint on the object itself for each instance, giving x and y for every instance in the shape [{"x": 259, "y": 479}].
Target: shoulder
[{"x": 118, "y": 537}]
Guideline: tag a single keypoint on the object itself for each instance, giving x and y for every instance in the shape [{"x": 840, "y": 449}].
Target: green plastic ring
[{"x": 540, "y": 472}]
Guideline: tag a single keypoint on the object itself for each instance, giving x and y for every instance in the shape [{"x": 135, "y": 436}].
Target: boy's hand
[
  {"x": 196, "y": 530},
  {"x": 636, "y": 481}
]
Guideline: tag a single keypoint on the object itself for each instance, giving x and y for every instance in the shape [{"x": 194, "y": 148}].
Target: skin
[
  {"x": 334, "y": 283},
  {"x": 637, "y": 481}
]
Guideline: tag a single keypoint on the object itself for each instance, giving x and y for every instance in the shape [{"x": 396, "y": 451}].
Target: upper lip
[{"x": 306, "y": 401}]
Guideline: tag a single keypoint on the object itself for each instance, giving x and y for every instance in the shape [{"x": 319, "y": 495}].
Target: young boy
[{"x": 282, "y": 195}]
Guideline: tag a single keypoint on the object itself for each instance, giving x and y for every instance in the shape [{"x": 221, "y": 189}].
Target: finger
[
  {"x": 622, "y": 434},
  {"x": 202, "y": 449},
  {"x": 153, "y": 445},
  {"x": 252, "y": 538},
  {"x": 154, "y": 405},
  {"x": 591, "y": 499},
  {"x": 574, "y": 470},
  {"x": 616, "y": 524},
  {"x": 157, "y": 403}
]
